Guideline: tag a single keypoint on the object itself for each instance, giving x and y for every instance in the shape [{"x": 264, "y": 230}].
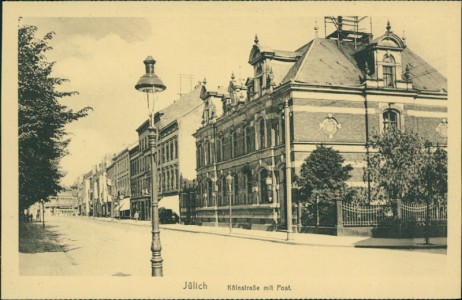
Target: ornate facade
[{"x": 336, "y": 90}]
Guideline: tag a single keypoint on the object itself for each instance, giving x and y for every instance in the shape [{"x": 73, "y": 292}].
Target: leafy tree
[
  {"x": 396, "y": 162},
  {"x": 322, "y": 173},
  {"x": 408, "y": 167},
  {"x": 434, "y": 180},
  {"x": 41, "y": 119}
]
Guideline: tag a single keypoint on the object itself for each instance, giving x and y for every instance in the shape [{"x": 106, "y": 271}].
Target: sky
[{"x": 103, "y": 59}]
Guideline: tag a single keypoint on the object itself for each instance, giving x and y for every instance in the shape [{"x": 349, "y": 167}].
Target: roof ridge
[{"x": 304, "y": 58}]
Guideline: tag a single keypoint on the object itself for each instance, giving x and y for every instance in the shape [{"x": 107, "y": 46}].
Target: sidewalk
[
  {"x": 306, "y": 239},
  {"x": 40, "y": 252}
]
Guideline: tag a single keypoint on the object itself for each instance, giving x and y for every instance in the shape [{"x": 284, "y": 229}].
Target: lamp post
[
  {"x": 43, "y": 213},
  {"x": 299, "y": 207},
  {"x": 151, "y": 84},
  {"x": 229, "y": 180}
]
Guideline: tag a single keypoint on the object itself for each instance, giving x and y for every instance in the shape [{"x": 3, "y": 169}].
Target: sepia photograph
[{"x": 231, "y": 150}]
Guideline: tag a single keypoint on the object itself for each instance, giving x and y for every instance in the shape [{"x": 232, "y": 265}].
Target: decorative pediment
[{"x": 391, "y": 40}]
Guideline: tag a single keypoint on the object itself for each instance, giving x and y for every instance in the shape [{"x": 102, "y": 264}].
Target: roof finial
[
  {"x": 232, "y": 76},
  {"x": 388, "y": 26},
  {"x": 366, "y": 68},
  {"x": 205, "y": 81},
  {"x": 256, "y": 39},
  {"x": 316, "y": 28},
  {"x": 407, "y": 72},
  {"x": 404, "y": 38}
]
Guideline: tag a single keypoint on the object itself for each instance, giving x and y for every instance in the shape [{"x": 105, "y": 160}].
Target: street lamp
[
  {"x": 229, "y": 180},
  {"x": 295, "y": 189},
  {"x": 151, "y": 84}
]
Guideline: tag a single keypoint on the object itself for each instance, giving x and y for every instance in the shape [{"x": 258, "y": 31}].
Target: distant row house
[{"x": 121, "y": 186}]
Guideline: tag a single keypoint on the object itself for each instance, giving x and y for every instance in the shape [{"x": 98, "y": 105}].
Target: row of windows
[
  {"x": 168, "y": 150},
  {"x": 140, "y": 165},
  {"x": 240, "y": 190},
  {"x": 268, "y": 133},
  {"x": 168, "y": 179}
]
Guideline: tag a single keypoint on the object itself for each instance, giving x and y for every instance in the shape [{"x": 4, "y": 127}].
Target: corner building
[{"x": 338, "y": 91}]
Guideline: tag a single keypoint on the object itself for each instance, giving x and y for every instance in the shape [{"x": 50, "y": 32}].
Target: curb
[
  {"x": 409, "y": 247},
  {"x": 259, "y": 238},
  {"x": 403, "y": 247}
]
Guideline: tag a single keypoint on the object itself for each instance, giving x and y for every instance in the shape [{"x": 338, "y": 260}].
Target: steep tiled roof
[
  {"x": 325, "y": 63},
  {"x": 423, "y": 76},
  {"x": 180, "y": 107}
]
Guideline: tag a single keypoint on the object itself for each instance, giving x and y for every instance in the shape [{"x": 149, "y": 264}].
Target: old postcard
[{"x": 171, "y": 150}]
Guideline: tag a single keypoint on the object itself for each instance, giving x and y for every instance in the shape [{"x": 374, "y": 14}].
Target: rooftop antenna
[{"x": 185, "y": 79}]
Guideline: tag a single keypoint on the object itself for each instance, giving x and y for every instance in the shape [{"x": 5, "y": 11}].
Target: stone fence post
[
  {"x": 398, "y": 208},
  {"x": 339, "y": 213}
]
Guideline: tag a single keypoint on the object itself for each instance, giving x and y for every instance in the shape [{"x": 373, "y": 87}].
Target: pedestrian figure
[
  {"x": 37, "y": 218},
  {"x": 136, "y": 216}
]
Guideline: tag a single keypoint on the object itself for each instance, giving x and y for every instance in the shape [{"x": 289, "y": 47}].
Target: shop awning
[{"x": 124, "y": 204}]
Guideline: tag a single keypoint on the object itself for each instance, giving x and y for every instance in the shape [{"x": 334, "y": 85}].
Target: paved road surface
[{"x": 96, "y": 248}]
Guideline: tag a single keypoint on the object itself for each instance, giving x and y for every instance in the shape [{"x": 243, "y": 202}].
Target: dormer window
[{"x": 389, "y": 71}]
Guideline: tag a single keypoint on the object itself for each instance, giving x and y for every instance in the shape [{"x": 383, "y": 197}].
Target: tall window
[
  {"x": 220, "y": 193},
  {"x": 390, "y": 119},
  {"x": 219, "y": 143},
  {"x": 269, "y": 128},
  {"x": 249, "y": 139},
  {"x": 262, "y": 133},
  {"x": 176, "y": 148},
  {"x": 389, "y": 71},
  {"x": 224, "y": 186},
  {"x": 249, "y": 187},
  {"x": 209, "y": 192},
  {"x": 206, "y": 153},
  {"x": 236, "y": 189},
  {"x": 276, "y": 133},
  {"x": 263, "y": 188},
  {"x": 235, "y": 145}
]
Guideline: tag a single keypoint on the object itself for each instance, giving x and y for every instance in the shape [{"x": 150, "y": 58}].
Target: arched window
[
  {"x": 262, "y": 186},
  {"x": 390, "y": 119},
  {"x": 262, "y": 133},
  {"x": 249, "y": 187},
  {"x": 389, "y": 71}
]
